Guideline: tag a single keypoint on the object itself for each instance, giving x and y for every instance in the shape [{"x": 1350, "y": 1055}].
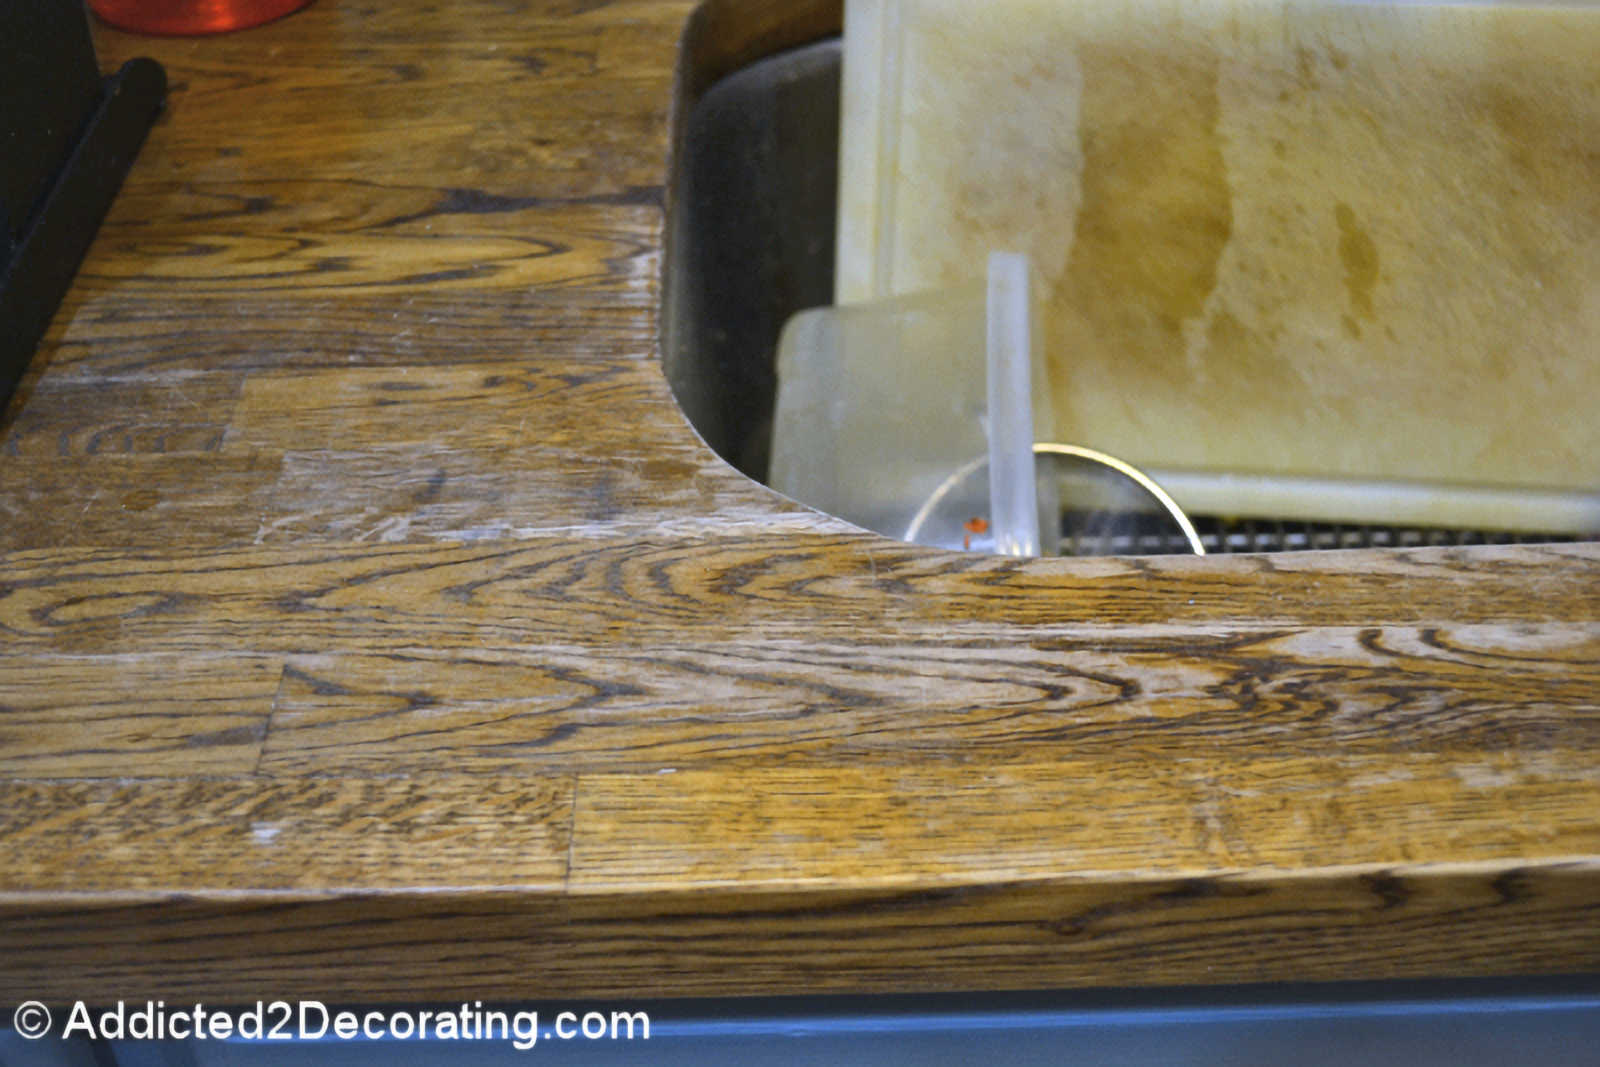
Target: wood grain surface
[{"x": 373, "y": 626}]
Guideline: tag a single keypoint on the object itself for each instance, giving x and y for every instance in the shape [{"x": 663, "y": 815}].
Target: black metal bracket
[{"x": 60, "y": 174}]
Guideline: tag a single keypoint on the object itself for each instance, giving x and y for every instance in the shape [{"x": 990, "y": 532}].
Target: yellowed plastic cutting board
[{"x": 1292, "y": 242}]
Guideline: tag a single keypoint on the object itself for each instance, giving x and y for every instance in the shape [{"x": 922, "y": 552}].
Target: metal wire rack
[{"x": 1151, "y": 534}]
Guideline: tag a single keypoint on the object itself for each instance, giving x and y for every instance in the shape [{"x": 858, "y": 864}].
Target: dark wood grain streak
[{"x": 374, "y": 627}]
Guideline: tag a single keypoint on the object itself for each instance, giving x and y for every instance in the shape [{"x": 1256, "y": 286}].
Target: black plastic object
[{"x": 67, "y": 138}]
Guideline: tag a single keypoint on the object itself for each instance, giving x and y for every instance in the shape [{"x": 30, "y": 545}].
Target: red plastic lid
[{"x": 190, "y": 17}]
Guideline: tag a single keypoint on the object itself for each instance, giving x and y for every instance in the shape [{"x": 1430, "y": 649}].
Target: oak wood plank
[
  {"x": 1263, "y": 926},
  {"x": 191, "y": 835},
  {"x": 1389, "y": 922},
  {"x": 134, "y": 500},
  {"x": 365, "y": 79},
  {"x": 418, "y": 492},
  {"x": 320, "y": 238},
  {"x": 1198, "y": 811},
  {"x": 553, "y": 407},
  {"x": 304, "y": 273},
  {"x": 126, "y": 715},
  {"x": 686, "y": 584},
  {"x": 405, "y": 47},
  {"x": 919, "y": 696},
  {"x": 106, "y": 331},
  {"x": 165, "y": 414}
]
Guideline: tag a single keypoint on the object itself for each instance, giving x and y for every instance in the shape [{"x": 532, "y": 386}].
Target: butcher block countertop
[{"x": 373, "y": 626}]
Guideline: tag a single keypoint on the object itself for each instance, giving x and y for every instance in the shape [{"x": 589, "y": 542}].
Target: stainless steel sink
[{"x": 750, "y": 240}]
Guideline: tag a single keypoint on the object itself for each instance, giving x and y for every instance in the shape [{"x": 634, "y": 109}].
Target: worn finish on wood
[
  {"x": 287, "y": 835},
  {"x": 373, "y": 625}
]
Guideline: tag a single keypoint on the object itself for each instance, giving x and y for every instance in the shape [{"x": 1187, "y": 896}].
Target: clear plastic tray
[{"x": 914, "y": 416}]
